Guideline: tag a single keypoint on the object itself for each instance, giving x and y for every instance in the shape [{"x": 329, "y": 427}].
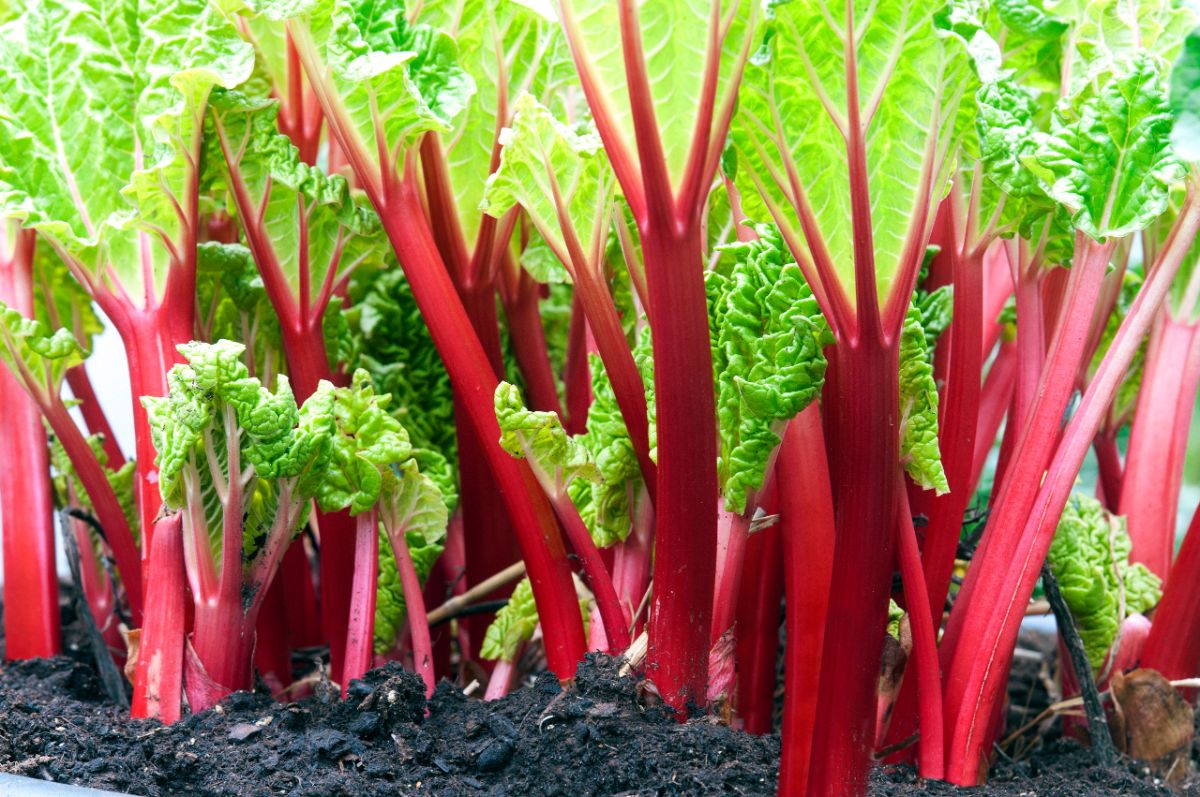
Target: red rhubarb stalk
[
  {"x": 414, "y": 608},
  {"x": 925, "y": 652},
  {"x": 1173, "y": 647},
  {"x": 758, "y": 615},
  {"x": 31, "y": 621},
  {"x": 1158, "y": 441},
  {"x": 808, "y": 530},
  {"x": 361, "y": 626},
  {"x": 981, "y": 635},
  {"x": 157, "y": 683}
]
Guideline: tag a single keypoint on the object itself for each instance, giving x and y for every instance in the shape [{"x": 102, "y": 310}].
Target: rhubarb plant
[
  {"x": 241, "y": 464},
  {"x": 122, "y": 210}
]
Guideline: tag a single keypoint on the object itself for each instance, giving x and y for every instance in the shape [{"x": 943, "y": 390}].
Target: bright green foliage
[
  {"x": 1109, "y": 35},
  {"x": 1107, "y": 158},
  {"x": 539, "y": 437},
  {"x": 768, "y": 335},
  {"x": 913, "y": 77},
  {"x": 535, "y": 59},
  {"x": 368, "y": 441},
  {"x": 391, "y": 341},
  {"x": 928, "y": 316},
  {"x": 513, "y": 626},
  {"x": 100, "y": 109},
  {"x": 215, "y": 410},
  {"x": 311, "y": 231},
  {"x": 372, "y": 466},
  {"x": 559, "y": 176},
  {"x": 1185, "y": 100},
  {"x": 393, "y": 81},
  {"x": 675, "y": 36},
  {"x": 1090, "y": 558},
  {"x": 37, "y": 357}
]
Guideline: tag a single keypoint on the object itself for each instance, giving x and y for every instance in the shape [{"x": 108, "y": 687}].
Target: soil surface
[{"x": 597, "y": 738}]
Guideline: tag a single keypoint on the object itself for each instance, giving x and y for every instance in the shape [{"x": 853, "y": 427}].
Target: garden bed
[{"x": 597, "y": 738}]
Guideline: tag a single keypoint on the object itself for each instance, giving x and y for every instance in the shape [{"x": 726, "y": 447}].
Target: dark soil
[{"x": 596, "y": 738}]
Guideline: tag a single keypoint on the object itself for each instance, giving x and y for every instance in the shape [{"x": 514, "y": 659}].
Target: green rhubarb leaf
[
  {"x": 768, "y": 337},
  {"x": 1090, "y": 558},
  {"x": 913, "y": 75},
  {"x": 1112, "y": 35},
  {"x": 1185, "y": 100},
  {"x": 390, "y": 82},
  {"x": 675, "y": 40},
  {"x": 38, "y": 358},
  {"x": 390, "y": 341},
  {"x": 514, "y": 625},
  {"x": 547, "y": 168},
  {"x": 310, "y": 228},
  {"x": 506, "y": 48},
  {"x": 928, "y": 316},
  {"x": 369, "y": 441},
  {"x": 100, "y": 115},
  {"x": 540, "y": 438},
  {"x": 1107, "y": 158}
]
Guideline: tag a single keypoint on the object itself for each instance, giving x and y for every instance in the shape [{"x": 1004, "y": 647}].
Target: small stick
[
  {"x": 1102, "y": 743},
  {"x": 490, "y": 584}
]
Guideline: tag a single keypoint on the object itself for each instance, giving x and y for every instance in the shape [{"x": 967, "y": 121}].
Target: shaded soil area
[{"x": 596, "y": 738}]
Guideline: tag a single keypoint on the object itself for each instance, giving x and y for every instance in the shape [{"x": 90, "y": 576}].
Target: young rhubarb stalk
[
  {"x": 1158, "y": 440},
  {"x": 379, "y": 150},
  {"x": 808, "y": 529},
  {"x": 30, "y": 579},
  {"x": 985, "y": 621},
  {"x": 758, "y": 615},
  {"x": 158, "y": 679},
  {"x": 1173, "y": 647},
  {"x": 360, "y": 628}
]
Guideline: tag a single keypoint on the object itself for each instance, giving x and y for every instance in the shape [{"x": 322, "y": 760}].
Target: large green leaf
[
  {"x": 675, "y": 39},
  {"x": 1185, "y": 100},
  {"x": 1107, "y": 158},
  {"x": 387, "y": 82},
  {"x": 310, "y": 226},
  {"x": 508, "y": 48},
  {"x": 912, "y": 75},
  {"x": 559, "y": 176},
  {"x": 1110, "y": 35},
  {"x": 101, "y": 109}
]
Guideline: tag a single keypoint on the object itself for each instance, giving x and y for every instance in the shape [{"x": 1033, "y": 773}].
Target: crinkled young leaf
[
  {"x": 913, "y": 76},
  {"x": 368, "y": 442},
  {"x": 768, "y": 337},
  {"x": 928, "y": 316},
  {"x": 211, "y": 405},
  {"x": 37, "y": 357},
  {"x": 1107, "y": 158},
  {"x": 514, "y": 625},
  {"x": 545, "y": 164},
  {"x": 391, "y": 81},
  {"x": 1090, "y": 558},
  {"x": 100, "y": 110},
  {"x": 540, "y": 438}
]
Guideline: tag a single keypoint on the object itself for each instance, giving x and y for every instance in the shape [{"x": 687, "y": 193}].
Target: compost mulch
[{"x": 597, "y": 737}]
